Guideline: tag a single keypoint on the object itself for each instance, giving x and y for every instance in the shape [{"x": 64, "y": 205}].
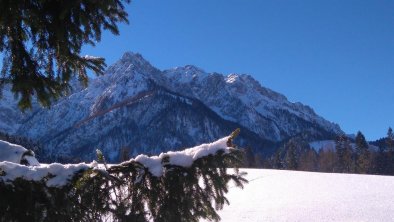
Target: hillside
[{"x": 275, "y": 195}]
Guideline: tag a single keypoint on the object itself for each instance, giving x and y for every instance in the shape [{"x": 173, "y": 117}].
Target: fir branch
[{"x": 129, "y": 192}]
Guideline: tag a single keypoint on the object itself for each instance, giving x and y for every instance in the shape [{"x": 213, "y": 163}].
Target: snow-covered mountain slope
[
  {"x": 137, "y": 106},
  {"x": 279, "y": 195},
  {"x": 242, "y": 99},
  {"x": 10, "y": 116}
]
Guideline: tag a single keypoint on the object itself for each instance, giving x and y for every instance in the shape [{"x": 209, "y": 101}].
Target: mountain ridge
[{"x": 103, "y": 107}]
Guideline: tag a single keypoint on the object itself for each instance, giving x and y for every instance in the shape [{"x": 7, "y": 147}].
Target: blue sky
[{"x": 336, "y": 56}]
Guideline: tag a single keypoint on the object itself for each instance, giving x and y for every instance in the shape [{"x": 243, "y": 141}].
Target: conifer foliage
[
  {"x": 390, "y": 150},
  {"x": 129, "y": 192},
  {"x": 41, "y": 41},
  {"x": 344, "y": 155},
  {"x": 291, "y": 156},
  {"x": 362, "y": 154}
]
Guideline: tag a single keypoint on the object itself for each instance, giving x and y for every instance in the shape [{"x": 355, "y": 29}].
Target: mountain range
[{"x": 142, "y": 109}]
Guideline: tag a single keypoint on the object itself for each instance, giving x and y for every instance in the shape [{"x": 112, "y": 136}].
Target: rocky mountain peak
[
  {"x": 124, "y": 108},
  {"x": 133, "y": 58},
  {"x": 132, "y": 62},
  {"x": 185, "y": 74},
  {"x": 192, "y": 68}
]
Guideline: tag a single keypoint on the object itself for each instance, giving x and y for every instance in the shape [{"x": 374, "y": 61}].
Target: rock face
[{"x": 136, "y": 106}]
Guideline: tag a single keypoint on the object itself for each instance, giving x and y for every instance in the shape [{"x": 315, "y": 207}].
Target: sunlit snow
[
  {"x": 184, "y": 158},
  {"x": 15, "y": 153},
  {"x": 275, "y": 195},
  {"x": 60, "y": 174}
]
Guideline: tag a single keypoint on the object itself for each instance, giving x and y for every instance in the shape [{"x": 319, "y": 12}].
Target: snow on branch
[
  {"x": 184, "y": 158},
  {"x": 55, "y": 174},
  {"x": 184, "y": 185},
  {"x": 17, "y": 154},
  {"x": 60, "y": 174}
]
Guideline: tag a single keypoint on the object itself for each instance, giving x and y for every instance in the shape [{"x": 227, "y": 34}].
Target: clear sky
[{"x": 336, "y": 56}]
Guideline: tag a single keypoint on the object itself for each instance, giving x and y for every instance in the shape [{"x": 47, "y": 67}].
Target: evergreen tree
[
  {"x": 249, "y": 158},
  {"x": 291, "y": 157},
  {"x": 340, "y": 151},
  {"x": 381, "y": 162},
  {"x": 390, "y": 140},
  {"x": 259, "y": 161},
  {"x": 308, "y": 160},
  {"x": 390, "y": 152},
  {"x": 349, "y": 157},
  {"x": 362, "y": 154},
  {"x": 327, "y": 160},
  {"x": 277, "y": 161},
  {"x": 41, "y": 42},
  {"x": 344, "y": 163}
]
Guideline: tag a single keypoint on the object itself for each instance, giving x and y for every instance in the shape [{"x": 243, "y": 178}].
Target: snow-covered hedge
[{"x": 174, "y": 186}]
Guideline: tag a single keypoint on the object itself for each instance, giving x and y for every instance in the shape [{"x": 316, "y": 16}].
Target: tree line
[{"x": 346, "y": 156}]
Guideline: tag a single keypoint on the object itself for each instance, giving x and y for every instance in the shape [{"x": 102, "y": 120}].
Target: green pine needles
[
  {"x": 41, "y": 41},
  {"x": 130, "y": 192}
]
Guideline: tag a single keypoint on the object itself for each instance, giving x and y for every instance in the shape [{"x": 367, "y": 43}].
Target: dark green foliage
[
  {"x": 292, "y": 157},
  {"x": 41, "y": 43},
  {"x": 381, "y": 161},
  {"x": 33, "y": 201},
  {"x": 128, "y": 192},
  {"x": 384, "y": 161},
  {"x": 390, "y": 140},
  {"x": 277, "y": 161},
  {"x": 327, "y": 160},
  {"x": 344, "y": 161},
  {"x": 390, "y": 151},
  {"x": 249, "y": 158},
  {"x": 362, "y": 154},
  {"x": 308, "y": 160},
  {"x": 345, "y": 157},
  {"x": 294, "y": 149}
]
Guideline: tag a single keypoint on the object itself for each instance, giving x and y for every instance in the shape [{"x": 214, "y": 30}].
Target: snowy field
[{"x": 275, "y": 195}]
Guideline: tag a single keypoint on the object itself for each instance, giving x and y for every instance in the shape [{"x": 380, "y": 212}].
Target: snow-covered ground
[{"x": 275, "y": 195}]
